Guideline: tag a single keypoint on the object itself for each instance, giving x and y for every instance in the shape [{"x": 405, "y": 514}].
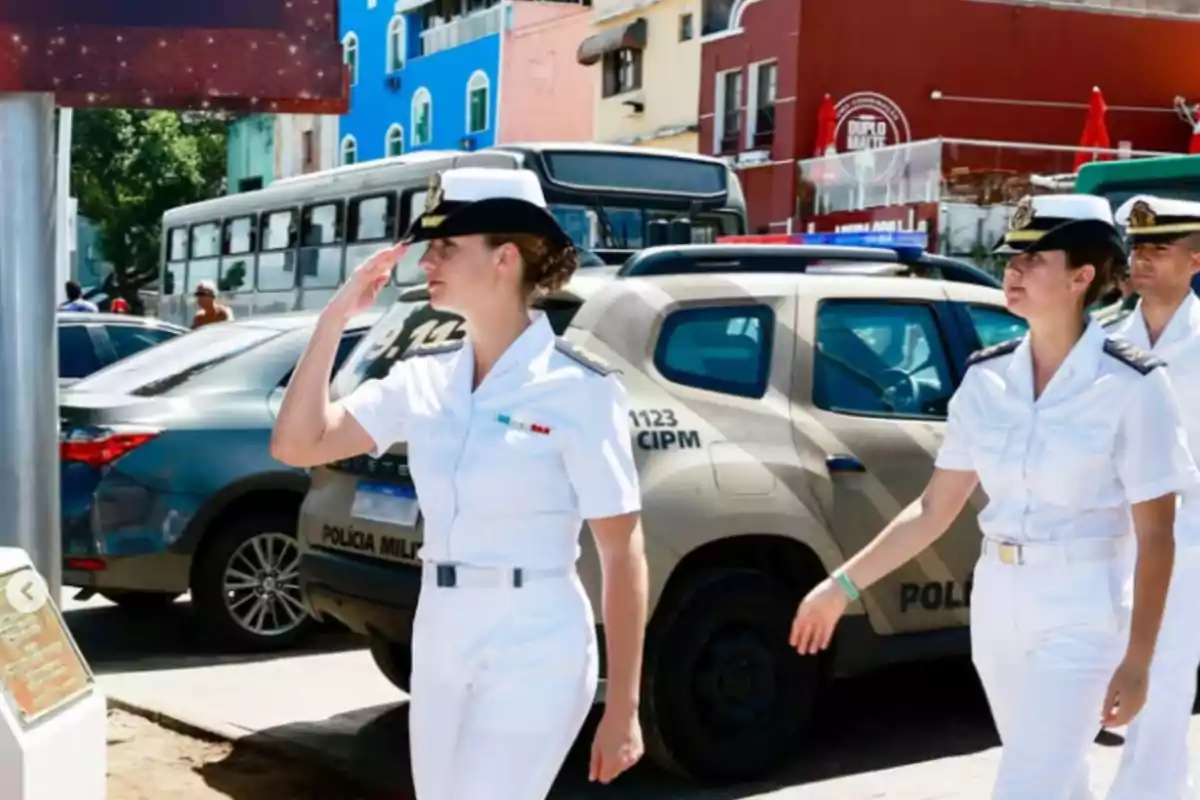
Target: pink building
[{"x": 546, "y": 94}]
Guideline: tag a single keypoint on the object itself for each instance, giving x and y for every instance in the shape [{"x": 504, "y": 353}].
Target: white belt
[
  {"x": 465, "y": 576},
  {"x": 1060, "y": 552}
]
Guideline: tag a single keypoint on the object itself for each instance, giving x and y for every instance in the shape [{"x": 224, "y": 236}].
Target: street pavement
[{"x": 920, "y": 732}]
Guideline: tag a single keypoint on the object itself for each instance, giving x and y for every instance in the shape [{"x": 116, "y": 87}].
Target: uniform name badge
[{"x": 389, "y": 503}]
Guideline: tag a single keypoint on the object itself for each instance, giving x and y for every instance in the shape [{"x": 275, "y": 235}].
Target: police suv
[{"x": 787, "y": 401}]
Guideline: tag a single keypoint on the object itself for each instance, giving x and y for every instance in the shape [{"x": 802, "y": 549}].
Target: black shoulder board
[
  {"x": 995, "y": 351},
  {"x": 433, "y": 349},
  {"x": 583, "y": 357},
  {"x": 1131, "y": 355}
]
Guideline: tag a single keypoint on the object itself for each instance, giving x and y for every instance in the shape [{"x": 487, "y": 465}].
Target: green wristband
[{"x": 847, "y": 585}]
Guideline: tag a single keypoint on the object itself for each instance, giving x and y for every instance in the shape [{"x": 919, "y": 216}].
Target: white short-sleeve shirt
[
  {"x": 1105, "y": 434},
  {"x": 1179, "y": 347},
  {"x": 506, "y": 474}
]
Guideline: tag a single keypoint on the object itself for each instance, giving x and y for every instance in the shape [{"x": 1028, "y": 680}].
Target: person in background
[
  {"x": 75, "y": 301},
  {"x": 209, "y": 310},
  {"x": 1165, "y": 237}
]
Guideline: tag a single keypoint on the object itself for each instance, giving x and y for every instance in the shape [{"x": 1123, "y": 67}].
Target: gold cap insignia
[
  {"x": 433, "y": 198},
  {"x": 1023, "y": 216},
  {"x": 1142, "y": 216}
]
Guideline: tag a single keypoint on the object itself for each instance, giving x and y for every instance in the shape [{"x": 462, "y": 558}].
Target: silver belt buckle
[{"x": 1010, "y": 553}]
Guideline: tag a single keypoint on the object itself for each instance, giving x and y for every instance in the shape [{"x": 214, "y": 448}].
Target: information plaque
[
  {"x": 248, "y": 55},
  {"x": 40, "y": 668}
]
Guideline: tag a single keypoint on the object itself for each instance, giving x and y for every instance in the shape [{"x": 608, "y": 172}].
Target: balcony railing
[
  {"x": 462, "y": 30},
  {"x": 1149, "y": 8}
]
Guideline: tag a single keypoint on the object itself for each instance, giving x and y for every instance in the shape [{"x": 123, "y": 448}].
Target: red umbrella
[
  {"x": 1194, "y": 144},
  {"x": 826, "y": 128},
  {"x": 1095, "y": 131}
]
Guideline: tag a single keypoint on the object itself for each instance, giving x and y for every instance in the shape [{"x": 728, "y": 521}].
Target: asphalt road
[{"x": 912, "y": 733}]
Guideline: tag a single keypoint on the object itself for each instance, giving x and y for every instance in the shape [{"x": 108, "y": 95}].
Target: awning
[{"x": 631, "y": 36}]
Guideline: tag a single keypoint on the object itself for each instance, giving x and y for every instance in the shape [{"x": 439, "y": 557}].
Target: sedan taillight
[{"x": 99, "y": 447}]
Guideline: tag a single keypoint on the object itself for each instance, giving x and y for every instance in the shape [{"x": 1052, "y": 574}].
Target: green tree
[{"x": 129, "y": 166}]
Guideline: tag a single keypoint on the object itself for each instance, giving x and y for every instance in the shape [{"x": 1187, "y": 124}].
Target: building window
[
  {"x": 350, "y": 55},
  {"x": 479, "y": 89},
  {"x": 396, "y": 44},
  {"x": 422, "y": 117},
  {"x": 349, "y": 150},
  {"x": 393, "y": 144},
  {"x": 764, "y": 89},
  {"x": 729, "y": 111},
  {"x": 685, "y": 27},
  {"x": 622, "y": 72},
  {"x": 308, "y": 148}
]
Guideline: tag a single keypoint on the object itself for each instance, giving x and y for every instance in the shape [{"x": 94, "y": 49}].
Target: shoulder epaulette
[
  {"x": 432, "y": 349},
  {"x": 1131, "y": 355},
  {"x": 583, "y": 357},
  {"x": 995, "y": 351}
]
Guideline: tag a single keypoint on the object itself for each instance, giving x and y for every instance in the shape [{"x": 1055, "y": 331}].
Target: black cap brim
[
  {"x": 1070, "y": 235},
  {"x": 494, "y": 215}
]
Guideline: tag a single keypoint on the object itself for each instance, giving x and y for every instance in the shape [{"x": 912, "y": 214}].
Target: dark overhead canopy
[{"x": 631, "y": 36}]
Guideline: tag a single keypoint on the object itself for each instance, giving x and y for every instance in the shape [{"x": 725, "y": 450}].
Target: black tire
[
  {"x": 724, "y": 697},
  {"x": 283, "y": 626},
  {"x": 140, "y": 601},
  {"x": 394, "y": 661}
]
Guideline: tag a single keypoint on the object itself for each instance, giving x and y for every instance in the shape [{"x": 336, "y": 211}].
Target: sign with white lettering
[{"x": 866, "y": 122}]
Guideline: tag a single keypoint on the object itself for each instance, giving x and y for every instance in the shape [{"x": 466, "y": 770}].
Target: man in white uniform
[{"x": 1165, "y": 236}]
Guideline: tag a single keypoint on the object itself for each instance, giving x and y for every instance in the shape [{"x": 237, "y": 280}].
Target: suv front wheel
[{"x": 725, "y": 698}]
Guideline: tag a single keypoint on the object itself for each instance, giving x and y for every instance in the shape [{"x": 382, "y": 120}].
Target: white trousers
[
  {"x": 502, "y": 682},
  {"x": 1045, "y": 640},
  {"x": 1154, "y": 764}
]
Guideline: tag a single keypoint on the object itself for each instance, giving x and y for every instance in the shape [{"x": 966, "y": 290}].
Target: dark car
[
  {"x": 168, "y": 484},
  {"x": 89, "y": 342}
]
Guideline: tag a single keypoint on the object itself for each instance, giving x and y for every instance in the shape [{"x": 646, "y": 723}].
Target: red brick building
[{"x": 997, "y": 70}]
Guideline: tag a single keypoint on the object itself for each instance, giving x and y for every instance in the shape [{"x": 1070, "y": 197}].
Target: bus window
[
  {"x": 237, "y": 255},
  {"x": 276, "y": 259},
  {"x": 321, "y": 246},
  {"x": 205, "y": 253},
  {"x": 371, "y": 226},
  {"x": 177, "y": 253}
]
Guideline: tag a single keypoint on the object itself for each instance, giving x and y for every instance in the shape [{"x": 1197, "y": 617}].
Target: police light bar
[{"x": 911, "y": 242}]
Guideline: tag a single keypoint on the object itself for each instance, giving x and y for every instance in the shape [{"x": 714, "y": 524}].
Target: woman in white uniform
[
  {"x": 514, "y": 439},
  {"x": 1068, "y": 432}
]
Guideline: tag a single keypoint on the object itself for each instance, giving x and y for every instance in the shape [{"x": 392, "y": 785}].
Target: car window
[
  {"x": 881, "y": 359},
  {"x": 178, "y": 358},
  {"x": 130, "y": 339},
  {"x": 345, "y": 347},
  {"x": 76, "y": 354},
  {"x": 995, "y": 325},
  {"x": 724, "y": 349}
]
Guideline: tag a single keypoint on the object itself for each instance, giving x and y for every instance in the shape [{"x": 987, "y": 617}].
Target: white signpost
[{"x": 53, "y": 733}]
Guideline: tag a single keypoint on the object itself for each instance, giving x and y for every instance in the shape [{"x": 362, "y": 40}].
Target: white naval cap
[
  {"x": 1147, "y": 218},
  {"x": 471, "y": 184},
  {"x": 1055, "y": 221}
]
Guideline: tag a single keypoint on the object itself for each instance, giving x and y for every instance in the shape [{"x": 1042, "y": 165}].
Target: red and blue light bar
[{"x": 910, "y": 242}]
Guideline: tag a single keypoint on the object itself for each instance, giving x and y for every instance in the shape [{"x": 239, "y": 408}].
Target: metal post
[
  {"x": 29, "y": 476},
  {"x": 62, "y": 205}
]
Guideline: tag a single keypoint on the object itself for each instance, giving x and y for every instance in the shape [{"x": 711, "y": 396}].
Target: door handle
[{"x": 844, "y": 463}]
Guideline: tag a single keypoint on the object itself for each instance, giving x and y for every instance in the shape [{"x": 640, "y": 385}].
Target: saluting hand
[
  {"x": 1126, "y": 694},
  {"x": 817, "y": 617},
  {"x": 617, "y": 746},
  {"x": 359, "y": 291}
]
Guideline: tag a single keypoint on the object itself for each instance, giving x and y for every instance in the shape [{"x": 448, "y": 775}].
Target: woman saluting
[
  {"x": 514, "y": 439},
  {"x": 1067, "y": 431}
]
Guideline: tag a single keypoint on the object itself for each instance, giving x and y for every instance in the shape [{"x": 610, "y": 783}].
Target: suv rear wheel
[
  {"x": 246, "y": 586},
  {"x": 724, "y": 697}
]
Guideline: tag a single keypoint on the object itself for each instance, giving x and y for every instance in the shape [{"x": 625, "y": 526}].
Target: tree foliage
[{"x": 129, "y": 166}]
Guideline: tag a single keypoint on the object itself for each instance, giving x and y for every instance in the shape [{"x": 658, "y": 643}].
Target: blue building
[{"x": 424, "y": 75}]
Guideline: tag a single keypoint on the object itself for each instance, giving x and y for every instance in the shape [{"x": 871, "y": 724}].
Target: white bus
[{"x": 289, "y": 246}]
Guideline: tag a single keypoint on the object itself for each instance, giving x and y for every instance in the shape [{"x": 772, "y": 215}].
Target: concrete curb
[{"x": 262, "y": 742}]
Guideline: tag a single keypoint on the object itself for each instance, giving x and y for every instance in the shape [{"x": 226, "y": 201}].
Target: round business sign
[{"x": 867, "y": 122}]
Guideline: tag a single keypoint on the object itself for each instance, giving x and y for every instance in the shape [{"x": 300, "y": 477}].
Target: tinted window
[
  {"x": 130, "y": 339},
  {"x": 881, "y": 359},
  {"x": 638, "y": 172},
  {"x": 76, "y": 355},
  {"x": 995, "y": 325},
  {"x": 184, "y": 355},
  {"x": 345, "y": 347},
  {"x": 721, "y": 349}
]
